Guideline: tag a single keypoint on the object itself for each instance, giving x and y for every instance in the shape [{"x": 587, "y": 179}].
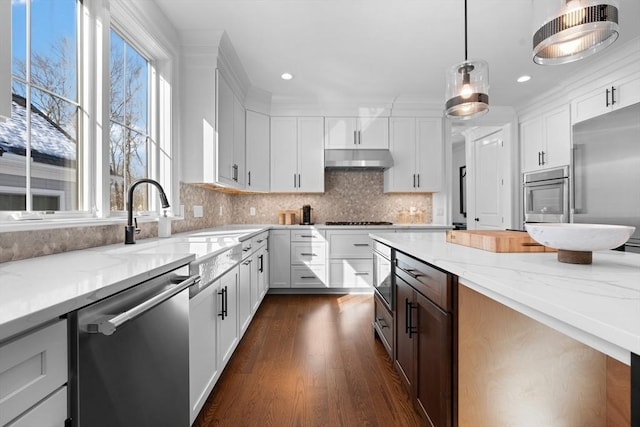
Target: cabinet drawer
[
  {"x": 259, "y": 240},
  {"x": 351, "y": 273},
  {"x": 383, "y": 249},
  {"x": 308, "y": 253},
  {"x": 307, "y": 235},
  {"x": 52, "y": 412},
  {"x": 350, "y": 245},
  {"x": 434, "y": 284},
  {"x": 304, "y": 276},
  {"x": 383, "y": 323},
  {"x": 31, "y": 368}
]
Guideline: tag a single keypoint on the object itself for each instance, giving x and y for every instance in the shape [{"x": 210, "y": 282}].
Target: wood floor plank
[{"x": 310, "y": 360}]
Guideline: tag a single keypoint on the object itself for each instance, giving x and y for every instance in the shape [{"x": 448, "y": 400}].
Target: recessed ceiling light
[
  {"x": 286, "y": 76},
  {"x": 524, "y": 78}
]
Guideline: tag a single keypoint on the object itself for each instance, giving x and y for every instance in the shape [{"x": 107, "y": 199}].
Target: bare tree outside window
[{"x": 128, "y": 148}]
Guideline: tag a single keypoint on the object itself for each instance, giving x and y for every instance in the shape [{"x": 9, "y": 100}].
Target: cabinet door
[
  {"x": 428, "y": 154},
  {"x": 531, "y": 142},
  {"x": 227, "y": 299},
  {"x": 351, "y": 273},
  {"x": 404, "y": 339},
  {"x": 349, "y": 244},
  {"x": 5, "y": 60},
  {"x": 340, "y": 132},
  {"x": 279, "y": 259},
  {"x": 402, "y": 175},
  {"x": 244, "y": 294},
  {"x": 557, "y": 129},
  {"x": 257, "y": 155},
  {"x": 310, "y": 154},
  {"x": 374, "y": 132},
  {"x": 434, "y": 379},
  {"x": 239, "y": 124},
  {"x": 255, "y": 281},
  {"x": 203, "y": 316},
  {"x": 52, "y": 412},
  {"x": 225, "y": 125},
  {"x": 264, "y": 272},
  {"x": 284, "y": 155}
]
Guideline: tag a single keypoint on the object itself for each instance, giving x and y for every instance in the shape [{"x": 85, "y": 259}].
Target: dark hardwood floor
[{"x": 310, "y": 360}]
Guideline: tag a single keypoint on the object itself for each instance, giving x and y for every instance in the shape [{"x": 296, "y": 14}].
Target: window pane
[
  {"x": 19, "y": 38},
  {"x": 13, "y": 165},
  {"x": 53, "y": 46},
  {"x": 128, "y": 161}
]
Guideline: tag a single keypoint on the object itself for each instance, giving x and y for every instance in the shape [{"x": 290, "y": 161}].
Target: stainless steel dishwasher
[{"x": 130, "y": 357}]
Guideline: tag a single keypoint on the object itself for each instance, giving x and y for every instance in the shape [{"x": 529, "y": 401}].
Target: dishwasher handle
[{"x": 109, "y": 325}]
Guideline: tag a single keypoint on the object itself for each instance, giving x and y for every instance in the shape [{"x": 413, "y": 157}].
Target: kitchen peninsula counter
[{"x": 597, "y": 304}]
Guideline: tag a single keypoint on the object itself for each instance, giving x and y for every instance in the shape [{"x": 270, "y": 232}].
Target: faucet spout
[{"x": 130, "y": 229}]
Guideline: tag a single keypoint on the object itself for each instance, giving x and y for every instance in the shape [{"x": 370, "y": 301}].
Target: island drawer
[{"x": 434, "y": 284}]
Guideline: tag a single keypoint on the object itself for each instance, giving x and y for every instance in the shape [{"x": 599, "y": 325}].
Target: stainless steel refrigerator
[{"x": 606, "y": 171}]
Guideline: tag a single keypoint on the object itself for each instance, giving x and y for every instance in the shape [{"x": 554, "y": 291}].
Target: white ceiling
[{"x": 381, "y": 50}]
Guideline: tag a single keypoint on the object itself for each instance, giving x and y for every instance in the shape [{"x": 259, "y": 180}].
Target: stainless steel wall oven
[{"x": 546, "y": 195}]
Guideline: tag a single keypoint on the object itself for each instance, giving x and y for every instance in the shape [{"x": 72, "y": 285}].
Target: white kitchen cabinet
[
  {"x": 617, "y": 94},
  {"x": 227, "y": 324},
  {"x": 263, "y": 272},
  {"x": 308, "y": 259},
  {"x": 350, "y": 273},
  {"x": 297, "y": 154},
  {"x": 51, "y": 412},
  {"x": 244, "y": 294},
  {"x": 546, "y": 140},
  {"x": 203, "y": 362},
  {"x": 356, "y": 132},
  {"x": 257, "y": 151},
  {"x": 416, "y": 145},
  {"x": 279, "y": 259},
  {"x": 5, "y": 60},
  {"x": 230, "y": 125},
  {"x": 32, "y": 367}
]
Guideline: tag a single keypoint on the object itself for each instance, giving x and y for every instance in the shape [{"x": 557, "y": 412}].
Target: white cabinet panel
[
  {"x": 308, "y": 253},
  {"x": 52, "y": 412},
  {"x": 355, "y": 244},
  {"x": 308, "y": 276},
  {"x": 297, "y": 154},
  {"x": 351, "y": 273},
  {"x": 618, "y": 94},
  {"x": 356, "y": 132},
  {"x": 245, "y": 294},
  {"x": 308, "y": 235},
  {"x": 416, "y": 145},
  {"x": 546, "y": 140},
  {"x": 227, "y": 324},
  {"x": 279, "y": 259},
  {"x": 31, "y": 368},
  {"x": 203, "y": 363},
  {"x": 257, "y": 155},
  {"x": 230, "y": 125}
]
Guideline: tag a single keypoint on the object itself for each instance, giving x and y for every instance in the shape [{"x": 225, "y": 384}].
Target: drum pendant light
[
  {"x": 569, "y": 30},
  {"x": 467, "y": 85}
]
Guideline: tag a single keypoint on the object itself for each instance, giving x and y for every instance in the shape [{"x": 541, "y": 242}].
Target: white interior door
[{"x": 488, "y": 194}]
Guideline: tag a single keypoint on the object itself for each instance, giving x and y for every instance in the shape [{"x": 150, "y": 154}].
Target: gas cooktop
[{"x": 358, "y": 223}]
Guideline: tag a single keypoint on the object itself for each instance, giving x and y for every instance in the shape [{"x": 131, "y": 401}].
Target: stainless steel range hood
[{"x": 357, "y": 159}]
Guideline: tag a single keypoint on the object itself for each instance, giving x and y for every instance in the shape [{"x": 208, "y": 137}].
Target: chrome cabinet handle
[
  {"x": 308, "y": 236},
  {"x": 109, "y": 326},
  {"x": 362, "y": 273},
  {"x": 308, "y": 254},
  {"x": 360, "y": 244},
  {"x": 307, "y": 277}
]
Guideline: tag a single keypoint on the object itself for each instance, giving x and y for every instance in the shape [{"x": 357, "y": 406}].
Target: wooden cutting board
[{"x": 497, "y": 240}]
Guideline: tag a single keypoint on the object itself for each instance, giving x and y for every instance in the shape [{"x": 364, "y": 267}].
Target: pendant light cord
[{"x": 465, "y": 30}]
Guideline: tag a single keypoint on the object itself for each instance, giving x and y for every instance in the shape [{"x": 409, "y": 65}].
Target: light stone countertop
[
  {"x": 596, "y": 304},
  {"x": 37, "y": 290}
]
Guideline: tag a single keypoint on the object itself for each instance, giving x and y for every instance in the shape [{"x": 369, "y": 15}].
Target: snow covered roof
[{"x": 49, "y": 142}]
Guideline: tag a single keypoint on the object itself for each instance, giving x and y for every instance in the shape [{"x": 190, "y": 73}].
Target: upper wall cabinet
[
  {"x": 5, "y": 60},
  {"x": 416, "y": 148},
  {"x": 257, "y": 155},
  {"x": 297, "y": 154},
  {"x": 230, "y": 124},
  {"x": 356, "y": 132},
  {"x": 546, "y": 140},
  {"x": 611, "y": 96}
]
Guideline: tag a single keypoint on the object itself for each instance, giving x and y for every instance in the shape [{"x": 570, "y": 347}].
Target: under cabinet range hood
[{"x": 357, "y": 159}]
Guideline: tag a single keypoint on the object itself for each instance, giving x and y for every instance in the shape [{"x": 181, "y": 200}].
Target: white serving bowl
[{"x": 580, "y": 237}]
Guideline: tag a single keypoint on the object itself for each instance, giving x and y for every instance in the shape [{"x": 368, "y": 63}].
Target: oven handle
[{"x": 109, "y": 326}]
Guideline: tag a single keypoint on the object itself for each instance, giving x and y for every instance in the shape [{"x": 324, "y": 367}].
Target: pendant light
[
  {"x": 569, "y": 30},
  {"x": 467, "y": 85}
]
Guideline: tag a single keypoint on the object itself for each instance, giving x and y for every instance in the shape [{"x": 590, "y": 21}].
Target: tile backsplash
[{"x": 348, "y": 196}]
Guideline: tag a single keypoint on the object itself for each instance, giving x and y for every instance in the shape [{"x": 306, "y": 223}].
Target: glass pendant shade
[
  {"x": 569, "y": 30},
  {"x": 467, "y": 90}
]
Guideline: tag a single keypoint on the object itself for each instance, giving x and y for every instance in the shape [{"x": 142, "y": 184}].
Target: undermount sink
[{"x": 575, "y": 242}]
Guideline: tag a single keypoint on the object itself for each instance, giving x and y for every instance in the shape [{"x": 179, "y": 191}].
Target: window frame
[{"x": 144, "y": 28}]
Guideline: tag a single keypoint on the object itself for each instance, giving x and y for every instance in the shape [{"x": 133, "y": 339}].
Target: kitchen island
[{"x": 511, "y": 308}]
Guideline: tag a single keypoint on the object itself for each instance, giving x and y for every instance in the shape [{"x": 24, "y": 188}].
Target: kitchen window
[{"x": 92, "y": 87}]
